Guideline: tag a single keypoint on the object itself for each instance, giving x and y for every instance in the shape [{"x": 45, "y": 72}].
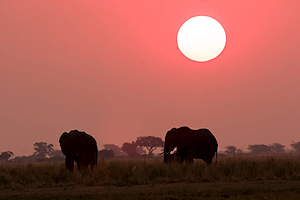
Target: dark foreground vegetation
[{"x": 273, "y": 177}]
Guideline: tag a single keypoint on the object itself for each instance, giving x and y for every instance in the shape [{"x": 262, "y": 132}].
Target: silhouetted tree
[
  {"x": 6, "y": 155},
  {"x": 259, "y": 149},
  {"x": 296, "y": 146},
  {"x": 104, "y": 153},
  {"x": 42, "y": 149},
  {"x": 239, "y": 151},
  {"x": 150, "y": 142},
  {"x": 277, "y": 147},
  {"x": 231, "y": 150},
  {"x": 130, "y": 149},
  {"x": 140, "y": 150},
  {"x": 115, "y": 148}
]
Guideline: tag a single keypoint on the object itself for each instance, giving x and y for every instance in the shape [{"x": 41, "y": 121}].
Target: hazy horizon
[{"x": 113, "y": 70}]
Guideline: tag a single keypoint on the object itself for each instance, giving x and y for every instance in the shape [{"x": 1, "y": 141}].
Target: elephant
[
  {"x": 190, "y": 144},
  {"x": 79, "y": 147}
]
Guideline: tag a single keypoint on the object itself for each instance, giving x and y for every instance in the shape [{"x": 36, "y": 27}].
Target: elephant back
[{"x": 206, "y": 141}]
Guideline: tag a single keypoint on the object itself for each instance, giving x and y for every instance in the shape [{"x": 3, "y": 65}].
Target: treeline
[
  {"x": 42, "y": 152},
  {"x": 275, "y": 148},
  {"x": 135, "y": 149},
  {"x": 142, "y": 147}
]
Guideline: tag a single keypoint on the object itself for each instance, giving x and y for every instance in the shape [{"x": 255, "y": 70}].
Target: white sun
[{"x": 201, "y": 38}]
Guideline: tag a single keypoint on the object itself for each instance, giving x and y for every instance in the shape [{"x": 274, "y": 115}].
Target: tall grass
[{"x": 137, "y": 172}]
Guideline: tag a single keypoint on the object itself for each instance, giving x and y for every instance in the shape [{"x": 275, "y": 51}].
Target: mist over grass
[{"x": 150, "y": 171}]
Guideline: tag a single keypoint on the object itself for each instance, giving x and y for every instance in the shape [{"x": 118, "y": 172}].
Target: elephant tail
[{"x": 217, "y": 153}]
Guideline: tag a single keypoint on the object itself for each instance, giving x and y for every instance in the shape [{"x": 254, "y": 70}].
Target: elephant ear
[
  {"x": 184, "y": 138},
  {"x": 63, "y": 137},
  {"x": 62, "y": 141}
]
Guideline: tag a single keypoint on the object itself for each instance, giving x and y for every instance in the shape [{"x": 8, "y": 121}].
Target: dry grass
[{"x": 150, "y": 172}]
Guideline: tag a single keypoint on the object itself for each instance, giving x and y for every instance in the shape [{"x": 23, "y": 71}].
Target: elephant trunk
[{"x": 166, "y": 157}]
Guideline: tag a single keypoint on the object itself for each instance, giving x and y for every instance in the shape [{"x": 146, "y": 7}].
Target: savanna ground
[{"x": 247, "y": 177}]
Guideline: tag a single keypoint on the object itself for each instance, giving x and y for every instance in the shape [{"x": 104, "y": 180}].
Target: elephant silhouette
[
  {"x": 79, "y": 147},
  {"x": 190, "y": 144}
]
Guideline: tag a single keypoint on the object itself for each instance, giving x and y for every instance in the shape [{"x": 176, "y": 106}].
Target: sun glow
[{"x": 201, "y": 38}]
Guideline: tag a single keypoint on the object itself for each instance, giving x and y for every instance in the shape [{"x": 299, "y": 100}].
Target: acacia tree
[
  {"x": 6, "y": 155},
  {"x": 42, "y": 149},
  {"x": 150, "y": 142},
  {"x": 130, "y": 149},
  {"x": 296, "y": 146},
  {"x": 231, "y": 150},
  {"x": 277, "y": 147},
  {"x": 140, "y": 150}
]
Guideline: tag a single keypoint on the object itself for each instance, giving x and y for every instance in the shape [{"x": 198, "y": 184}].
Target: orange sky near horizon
[{"x": 113, "y": 69}]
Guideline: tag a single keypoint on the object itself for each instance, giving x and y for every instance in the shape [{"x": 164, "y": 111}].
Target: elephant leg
[
  {"x": 181, "y": 156},
  {"x": 190, "y": 158},
  {"x": 190, "y": 155},
  {"x": 201, "y": 156},
  {"x": 84, "y": 161},
  {"x": 80, "y": 162},
  {"x": 69, "y": 162},
  {"x": 76, "y": 160},
  {"x": 186, "y": 155},
  {"x": 208, "y": 157},
  {"x": 93, "y": 163}
]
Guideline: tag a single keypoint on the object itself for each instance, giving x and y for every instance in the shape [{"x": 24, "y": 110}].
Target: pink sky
[{"x": 114, "y": 70}]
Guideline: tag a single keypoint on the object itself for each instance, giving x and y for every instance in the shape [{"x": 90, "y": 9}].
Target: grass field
[{"x": 247, "y": 177}]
